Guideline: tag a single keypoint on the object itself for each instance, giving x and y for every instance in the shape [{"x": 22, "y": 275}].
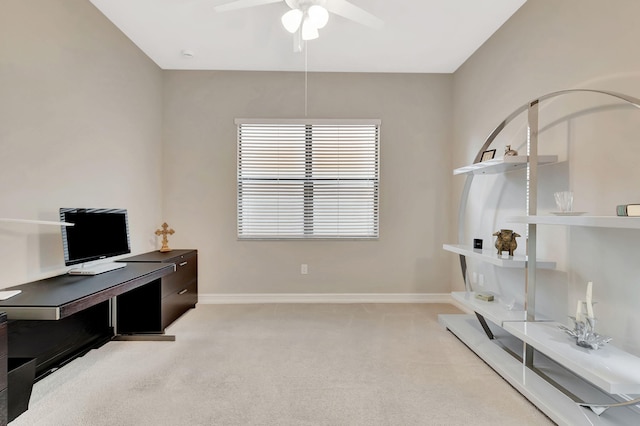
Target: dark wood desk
[
  {"x": 57, "y": 319},
  {"x": 59, "y": 297}
]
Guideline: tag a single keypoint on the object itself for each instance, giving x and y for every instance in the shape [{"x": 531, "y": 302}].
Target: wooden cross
[{"x": 164, "y": 232}]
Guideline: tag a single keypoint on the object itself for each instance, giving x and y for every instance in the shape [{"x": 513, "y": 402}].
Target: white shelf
[
  {"x": 625, "y": 222},
  {"x": 35, "y": 222},
  {"x": 555, "y": 404},
  {"x": 493, "y": 311},
  {"x": 502, "y": 165},
  {"x": 491, "y": 256},
  {"x": 611, "y": 369}
]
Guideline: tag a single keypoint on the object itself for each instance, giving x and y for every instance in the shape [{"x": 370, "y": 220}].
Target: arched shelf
[
  {"x": 611, "y": 370},
  {"x": 530, "y": 161}
]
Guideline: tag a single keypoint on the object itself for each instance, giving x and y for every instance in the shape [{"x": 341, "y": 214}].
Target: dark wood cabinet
[
  {"x": 4, "y": 392},
  {"x": 152, "y": 308}
]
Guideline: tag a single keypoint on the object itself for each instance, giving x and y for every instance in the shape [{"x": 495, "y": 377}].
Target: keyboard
[{"x": 100, "y": 268}]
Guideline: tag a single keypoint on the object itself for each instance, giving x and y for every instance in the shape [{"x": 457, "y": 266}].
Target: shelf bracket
[
  {"x": 485, "y": 326},
  {"x": 601, "y": 408},
  {"x": 463, "y": 267},
  {"x": 532, "y": 206}
]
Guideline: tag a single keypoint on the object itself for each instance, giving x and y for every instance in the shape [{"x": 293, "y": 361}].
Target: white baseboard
[{"x": 229, "y": 298}]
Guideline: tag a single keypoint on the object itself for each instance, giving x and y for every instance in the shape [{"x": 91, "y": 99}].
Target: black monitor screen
[{"x": 95, "y": 234}]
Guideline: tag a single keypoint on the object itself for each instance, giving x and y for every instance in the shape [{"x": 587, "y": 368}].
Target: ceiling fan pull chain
[{"x": 306, "y": 50}]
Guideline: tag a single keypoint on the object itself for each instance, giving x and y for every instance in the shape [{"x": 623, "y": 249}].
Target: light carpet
[{"x": 285, "y": 364}]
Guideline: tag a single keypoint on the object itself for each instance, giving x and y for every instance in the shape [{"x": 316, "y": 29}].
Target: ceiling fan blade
[
  {"x": 242, "y": 4},
  {"x": 354, "y": 13}
]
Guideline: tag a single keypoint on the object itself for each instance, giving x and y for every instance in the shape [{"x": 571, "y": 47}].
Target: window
[{"x": 304, "y": 179}]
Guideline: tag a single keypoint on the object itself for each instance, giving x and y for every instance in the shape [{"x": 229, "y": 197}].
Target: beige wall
[
  {"x": 83, "y": 113},
  {"x": 82, "y": 116},
  {"x": 200, "y": 185},
  {"x": 550, "y": 45},
  {"x": 80, "y": 126}
]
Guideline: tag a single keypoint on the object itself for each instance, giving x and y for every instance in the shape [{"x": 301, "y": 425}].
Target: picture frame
[{"x": 488, "y": 155}]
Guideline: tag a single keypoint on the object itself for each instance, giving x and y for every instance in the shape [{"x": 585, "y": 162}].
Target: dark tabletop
[{"x": 64, "y": 289}]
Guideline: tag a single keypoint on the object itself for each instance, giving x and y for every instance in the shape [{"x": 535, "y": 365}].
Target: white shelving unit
[
  {"x": 609, "y": 368},
  {"x": 493, "y": 311},
  {"x": 502, "y": 165},
  {"x": 603, "y": 376},
  {"x": 490, "y": 256},
  {"x": 625, "y": 222},
  {"x": 555, "y": 404}
]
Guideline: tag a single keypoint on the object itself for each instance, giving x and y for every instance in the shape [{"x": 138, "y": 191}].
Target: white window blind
[{"x": 301, "y": 179}]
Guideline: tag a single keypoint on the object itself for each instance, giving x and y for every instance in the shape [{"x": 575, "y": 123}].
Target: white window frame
[{"x": 290, "y": 188}]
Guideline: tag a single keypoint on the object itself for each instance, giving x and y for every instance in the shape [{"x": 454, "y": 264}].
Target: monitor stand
[{"x": 97, "y": 269}]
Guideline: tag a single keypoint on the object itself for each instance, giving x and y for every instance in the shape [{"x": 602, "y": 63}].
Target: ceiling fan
[{"x": 306, "y": 17}]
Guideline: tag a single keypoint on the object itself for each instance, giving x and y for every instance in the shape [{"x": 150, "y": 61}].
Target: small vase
[{"x": 508, "y": 152}]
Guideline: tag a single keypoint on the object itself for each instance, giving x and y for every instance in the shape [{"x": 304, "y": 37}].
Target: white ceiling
[{"x": 419, "y": 36}]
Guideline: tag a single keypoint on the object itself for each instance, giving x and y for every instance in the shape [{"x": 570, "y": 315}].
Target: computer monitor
[{"x": 95, "y": 234}]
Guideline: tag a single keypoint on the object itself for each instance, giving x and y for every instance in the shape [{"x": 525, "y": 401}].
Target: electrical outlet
[
  {"x": 474, "y": 277},
  {"x": 304, "y": 269},
  {"x": 480, "y": 280}
]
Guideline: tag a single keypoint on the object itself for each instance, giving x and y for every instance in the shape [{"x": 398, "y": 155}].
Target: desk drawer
[
  {"x": 4, "y": 406},
  {"x": 177, "y": 304},
  {"x": 3, "y": 339},
  {"x": 4, "y": 376},
  {"x": 186, "y": 272},
  {"x": 3, "y": 355}
]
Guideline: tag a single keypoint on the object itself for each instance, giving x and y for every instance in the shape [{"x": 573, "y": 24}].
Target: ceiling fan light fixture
[
  {"x": 318, "y": 15},
  {"x": 292, "y": 20},
  {"x": 309, "y": 31}
]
